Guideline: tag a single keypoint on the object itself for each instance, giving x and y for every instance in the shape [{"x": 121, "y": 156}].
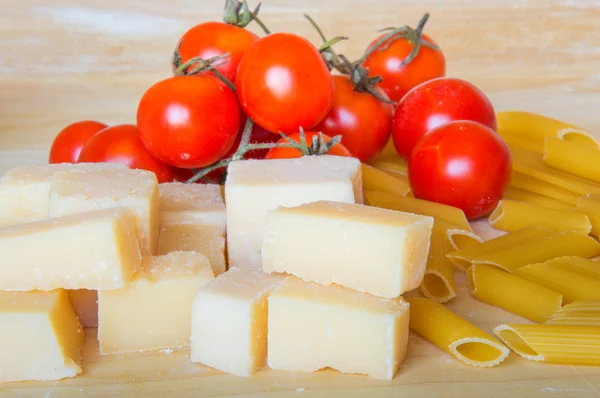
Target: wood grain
[{"x": 66, "y": 60}]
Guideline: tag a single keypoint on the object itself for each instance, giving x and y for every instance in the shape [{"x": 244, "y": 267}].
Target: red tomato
[
  {"x": 189, "y": 121},
  {"x": 212, "y": 39},
  {"x": 398, "y": 79},
  {"x": 284, "y": 84},
  {"x": 122, "y": 144},
  {"x": 463, "y": 164},
  {"x": 434, "y": 103},
  {"x": 363, "y": 121},
  {"x": 68, "y": 143},
  {"x": 286, "y": 153}
]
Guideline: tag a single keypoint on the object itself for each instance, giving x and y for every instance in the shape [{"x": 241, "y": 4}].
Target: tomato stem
[
  {"x": 260, "y": 23},
  {"x": 198, "y": 65}
]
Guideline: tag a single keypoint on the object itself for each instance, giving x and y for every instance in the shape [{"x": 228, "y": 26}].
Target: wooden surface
[{"x": 64, "y": 60}]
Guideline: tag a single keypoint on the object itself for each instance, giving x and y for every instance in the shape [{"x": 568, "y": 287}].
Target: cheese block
[
  {"x": 312, "y": 326},
  {"x": 379, "y": 251},
  {"x": 85, "y": 305},
  {"x": 229, "y": 321},
  {"x": 95, "y": 250},
  {"x": 74, "y": 191},
  {"x": 154, "y": 310},
  {"x": 191, "y": 204},
  {"x": 254, "y": 187},
  {"x": 24, "y": 190},
  {"x": 202, "y": 238},
  {"x": 40, "y": 336}
]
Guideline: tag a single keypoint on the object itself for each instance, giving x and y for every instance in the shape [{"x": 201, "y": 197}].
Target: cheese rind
[
  {"x": 75, "y": 191},
  {"x": 378, "y": 251},
  {"x": 229, "y": 321},
  {"x": 95, "y": 250},
  {"x": 254, "y": 187},
  {"x": 154, "y": 310},
  {"x": 85, "y": 305},
  {"x": 182, "y": 203},
  {"x": 40, "y": 336},
  {"x": 312, "y": 326}
]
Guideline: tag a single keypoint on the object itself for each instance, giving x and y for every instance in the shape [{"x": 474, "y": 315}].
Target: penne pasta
[
  {"x": 518, "y": 139},
  {"x": 459, "y": 238},
  {"x": 560, "y": 344},
  {"x": 453, "y": 334},
  {"x": 463, "y": 258},
  {"x": 572, "y": 158},
  {"x": 571, "y": 284},
  {"x": 378, "y": 180},
  {"x": 556, "y": 244},
  {"x": 512, "y": 293},
  {"x": 580, "y": 265},
  {"x": 393, "y": 164},
  {"x": 511, "y": 215},
  {"x": 438, "y": 282},
  {"x": 591, "y": 208},
  {"x": 522, "y": 195},
  {"x": 578, "y": 313},
  {"x": 528, "y": 183}
]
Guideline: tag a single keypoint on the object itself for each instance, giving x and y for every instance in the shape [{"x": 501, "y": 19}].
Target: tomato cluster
[{"x": 236, "y": 95}]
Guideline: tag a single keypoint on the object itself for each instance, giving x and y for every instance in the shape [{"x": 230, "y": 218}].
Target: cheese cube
[
  {"x": 155, "y": 310},
  {"x": 40, "y": 336},
  {"x": 379, "y": 251},
  {"x": 191, "y": 204},
  {"x": 254, "y": 187},
  {"x": 202, "y": 238},
  {"x": 95, "y": 250},
  {"x": 73, "y": 192},
  {"x": 312, "y": 326},
  {"x": 229, "y": 321},
  {"x": 24, "y": 190},
  {"x": 85, "y": 305}
]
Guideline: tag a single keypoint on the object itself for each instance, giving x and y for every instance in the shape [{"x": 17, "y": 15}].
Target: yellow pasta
[
  {"x": 511, "y": 215},
  {"x": 572, "y": 158},
  {"x": 556, "y": 244},
  {"x": 517, "y": 139},
  {"x": 580, "y": 265},
  {"x": 528, "y": 183},
  {"x": 438, "y": 282},
  {"x": 590, "y": 208},
  {"x": 512, "y": 293},
  {"x": 560, "y": 344},
  {"x": 378, "y": 180},
  {"x": 454, "y": 334},
  {"x": 571, "y": 284},
  {"x": 459, "y": 238},
  {"x": 522, "y": 195},
  {"x": 578, "y": 313},
  {"x": 393, "y": 164},
  {"x": 463, "y": 258}
]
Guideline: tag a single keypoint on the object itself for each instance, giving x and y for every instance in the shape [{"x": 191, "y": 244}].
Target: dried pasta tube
[
  {"x": 591, "y": 208},
  {"x": 572, "y": 158},
  {"x": 378, "y": 180},
  {"x": 532, "y": 184},
  {"x": 438, "y": 283},
  {"x": 578, "y": 313},
  {"x": 522, "y": 195}
]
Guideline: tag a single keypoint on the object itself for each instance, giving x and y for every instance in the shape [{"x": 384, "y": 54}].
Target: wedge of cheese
[
  {"x": 24, "y": 190},
  {"x": 373, "y": 250},
  {"x": 229, "y": 321},
  {"x": 312, "y": 326},
  {"x": 94, "y": 250},
  {"x": 40, "y": 336},
  {"x": 254, "y": 187},
  {"x": 154, "y": 310},
  {"x": 76, "y": 191}
]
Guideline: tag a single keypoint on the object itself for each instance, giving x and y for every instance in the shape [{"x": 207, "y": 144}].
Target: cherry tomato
[
  {"x": 463, "y": 164},
  {"x": 363, "y": 121},
  {"x": 286, "y": 153},
  {"x": 284, "y": 84},
  {"x": 434, "y": 103},
  {"x": 398, "y": 79},
  {"x": 189, "y": 121},
  {"x": 212, "y": 39},
  {"x": 122, "y": 144},
  {"x": 68, "y": 143}
]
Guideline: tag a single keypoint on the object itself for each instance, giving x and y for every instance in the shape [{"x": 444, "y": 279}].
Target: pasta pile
[{"x": 541, "y": 268}]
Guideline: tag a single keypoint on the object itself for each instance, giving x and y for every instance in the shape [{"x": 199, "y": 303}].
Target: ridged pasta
[
  {"x": 591, "y": 208},
  {"x": 393, "y": 164},
  {"x": 522, "y": 195},
  {"x": 377, "y": 180},
  {"x": 438, "y": 283},
  {"x": 572, "y": 158},
  {"x": 580, "y": 265},
  {"x": 578, "y": 313},
  {"x": 523, "y": 181}
]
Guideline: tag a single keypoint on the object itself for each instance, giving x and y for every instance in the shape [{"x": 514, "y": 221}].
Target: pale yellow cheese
[
  {"x": 191, "y": 204},
  {"x": 202, "y": 238},
  {"x": 85, "y": 305},
  {"x": 254, "y": 187},
  {"x": 24, "y": 190},
  {"x": 312, "y": 326},
  {"x": 373, "y": 250},
  {"x": 229, "y": 321},
  {"x": 74, "y": 191},
  {"x": 40, "y": 336},
  {"x": 95, "y": 250},
  {"x": 154, "y": 310}
]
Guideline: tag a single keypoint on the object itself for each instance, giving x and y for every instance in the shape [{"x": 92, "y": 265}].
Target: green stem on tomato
[{"x": 254, "y": 17}]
